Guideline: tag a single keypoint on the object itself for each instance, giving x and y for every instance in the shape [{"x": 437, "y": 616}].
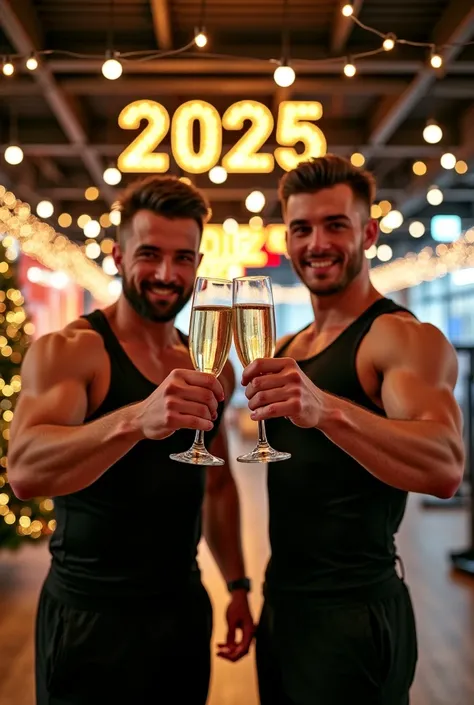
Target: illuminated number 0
[
  {"x": 210, "y": 136},
  {"x": 139, "y": 155},
  {"x": 292, "y": 128},
  {"x": 244, "y": 156}
]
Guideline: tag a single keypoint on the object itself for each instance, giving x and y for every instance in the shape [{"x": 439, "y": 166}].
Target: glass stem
[
  {"x": 262, "y": 434},
  {"x": 199, "y": 440}
]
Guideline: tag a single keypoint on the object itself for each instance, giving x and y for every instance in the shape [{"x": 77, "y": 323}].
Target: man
[
  {"x": 123, "y": 616},
  {"x": 363, "y": 400}
]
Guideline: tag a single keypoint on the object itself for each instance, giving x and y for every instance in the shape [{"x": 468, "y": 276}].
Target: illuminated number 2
[
  {"x": 293, "y": 127},
  {"x": 244, "y": 156},
  {"x": 139, "y": 155}
]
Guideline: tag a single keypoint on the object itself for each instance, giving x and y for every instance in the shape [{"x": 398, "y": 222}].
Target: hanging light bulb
[
  {"x": 347, "y": 10},
  {"x": 218, "y": 175},
  {"x": 255, "y": 202},
  {"x": 32, "y": 63},
  {"x": 13, "y": 154},
  {"x": 112, "y": 176},
  {"x": 112, "y": 68},
  {"x": 8, "y": 68},
  {"x": 350, "y": 69},
  {"x": 45, "y": 209},
  {"x": 448, "y": 161},
  {"x": 200, "y": 38},
  {"x": 284, "y": 76},
  {"x": 432, "y": 132},
  {"x": 389, "y": 42},
  {"x": 436, "y": 60}
]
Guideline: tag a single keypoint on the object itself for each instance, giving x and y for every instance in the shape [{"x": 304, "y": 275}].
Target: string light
[
  {"x": 92, "y": 228},
  {"x": 8, "y": 68},
  {"x": 461, "y": 167},
  {"x": 284, "y": 76},
  {"x": 350, "y": 69},
  {"x": 357, "y": 159},
  {"x": 436, "y": 61},
  {"x": 389, "y": 42},
  {"x": 434, "y": 196},
  {"x": 64, "y": 220},
  {"x": 112, "y": 69},
  {"x": 419, "y": 168},
  {"x": 112, "y": 176},
  {"x": 32, "y": 63},
  {"x": 91, "y": 193},
  {"x": 13, "y": 154},
  {"x": 45, "y": 209},
  {"x": 448, "y": 161},
  {"x": 255, "y": 202},
  {"x": 218, "y": 175},
  {"x": 432, "y": 132},
  {"x": 416, "y": 229},
  {"x": 200, "y": 38},
  {"x": 347, "y": 10}
]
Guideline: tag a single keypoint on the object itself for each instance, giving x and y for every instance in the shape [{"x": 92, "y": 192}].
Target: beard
[
  {"x": 331, "y": 286},
  {"x": 156, "y": 311}
]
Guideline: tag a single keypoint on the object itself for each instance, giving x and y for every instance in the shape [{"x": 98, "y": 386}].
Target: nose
[
  {"x": 164, "y": 270},
  {"x": 317, "y": 241}
]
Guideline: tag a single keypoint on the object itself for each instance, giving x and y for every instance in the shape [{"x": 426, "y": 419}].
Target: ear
[
  {"x": 371, "y": 233},
  {"x": 200, "y": 256},
  {"x": 117, "y": 254}
]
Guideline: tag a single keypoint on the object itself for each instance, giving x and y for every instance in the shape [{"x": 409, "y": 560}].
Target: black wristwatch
[{"x": 240, "y": 584}]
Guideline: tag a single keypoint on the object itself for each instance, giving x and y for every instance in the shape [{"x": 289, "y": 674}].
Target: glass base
[
  {"x": 263, "y": 454},
  {"x": 197, "y": 456}
]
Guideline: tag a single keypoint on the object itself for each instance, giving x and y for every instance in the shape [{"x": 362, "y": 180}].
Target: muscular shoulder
[
  {"x": 400, "y": 339},
  {"x": 75, "y": 348}
]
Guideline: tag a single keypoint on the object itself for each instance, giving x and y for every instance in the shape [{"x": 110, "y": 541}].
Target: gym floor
[{"x": 444, "y": 603}]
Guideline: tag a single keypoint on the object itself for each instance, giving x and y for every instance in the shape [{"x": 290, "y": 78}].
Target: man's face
[
  {"x": 327, "y": 233},
  {"x": 159, "y": 264}
]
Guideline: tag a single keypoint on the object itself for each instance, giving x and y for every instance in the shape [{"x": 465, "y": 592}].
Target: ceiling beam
[
  {"x": 66, "y": 113},
  {"x": 197, "y": 65},
  {"x": 161, "y": 23},
  {"x": 343, "y": 26},
  {"x": 455, "y": 27}
]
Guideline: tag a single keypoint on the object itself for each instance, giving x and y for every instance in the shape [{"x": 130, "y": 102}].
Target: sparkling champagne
[
  {"x": 254, "y": 331},
  {"x": 210, "y": 338}
]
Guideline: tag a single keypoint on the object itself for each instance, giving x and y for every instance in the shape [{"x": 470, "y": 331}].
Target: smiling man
[
  {"x": 123, "y": 616},
  {"x": 363, "y": 400}
]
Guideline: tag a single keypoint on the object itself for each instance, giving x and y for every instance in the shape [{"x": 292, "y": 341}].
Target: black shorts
[
  {"x": 309, "y": 654},
  {"x": 148, "y": 656}
]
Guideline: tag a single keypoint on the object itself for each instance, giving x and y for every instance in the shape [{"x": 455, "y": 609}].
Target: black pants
[
  {"x": 308, "y": 654},
  {"x": 135, "y": 656}
]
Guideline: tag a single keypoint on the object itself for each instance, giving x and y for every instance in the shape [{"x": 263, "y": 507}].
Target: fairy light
[
  {"x": 112, "y": 176},
  {"x": 389, "y": 42},
  {"x": 416, "y": 229},
  {"x": 255, "y": 202},
  {"x": 432, "y": 132},
  {"x": 357, "y": 159},
  {"x": 13, "y": 155},
  {"x": 347, "y": 10},
  {"x": 8, "y": 68},
  {"x": 64, "y": 220},
  {"x": 448, "y": 161},
  {"x": 32, "y": 63},
  {"x": 461, "y": 167},
  {"x": 91, "y": 193},
  {"x": 112, "y": 69},
  {"x": 436, "y": 60},
  {"x": 218, "y": 175},
  {"x": 200, "y": 38},
  {"x": 419, "y": 168},
  {"x": 284, "y": 76},
  {"x": 350, "y": 69}
]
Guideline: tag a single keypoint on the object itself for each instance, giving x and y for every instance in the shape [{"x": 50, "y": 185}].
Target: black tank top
[
  {"x": 332, "y": 523},
  {"x": 134, "y": 532}
]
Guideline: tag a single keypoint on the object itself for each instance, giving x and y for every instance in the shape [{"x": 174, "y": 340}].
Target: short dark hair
[
  {"x": 324, "y": 172},
  {"x": 164, "y": 195}
]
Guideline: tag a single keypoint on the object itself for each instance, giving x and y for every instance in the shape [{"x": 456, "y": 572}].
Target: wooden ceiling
[{"x": 66, "y": 111}]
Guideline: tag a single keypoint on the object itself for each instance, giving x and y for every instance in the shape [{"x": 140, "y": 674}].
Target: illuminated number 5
[
  {"x": 292, "y": 128},
  {"x": 139, "y": 155}
]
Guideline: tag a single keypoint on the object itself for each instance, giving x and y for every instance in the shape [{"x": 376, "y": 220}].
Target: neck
[
  {"x": 344, "y": 306},
  {"x": 130, "y": 324}
]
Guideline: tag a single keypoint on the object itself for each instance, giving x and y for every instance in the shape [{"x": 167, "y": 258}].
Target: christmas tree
[{"x": 19, "y": 521}]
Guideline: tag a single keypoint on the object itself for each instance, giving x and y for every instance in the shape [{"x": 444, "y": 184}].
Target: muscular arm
[
  {"x": 52, "y": 452},
  {"x": 419, "y": 446}
]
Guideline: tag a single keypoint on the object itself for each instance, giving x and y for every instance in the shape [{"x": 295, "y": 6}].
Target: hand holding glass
[
  {"x": 210, "y": 338},
  {"x": 255, "y": 337}
]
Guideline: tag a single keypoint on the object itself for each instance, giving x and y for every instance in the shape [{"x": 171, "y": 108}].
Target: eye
[
  {"x": 185, "y": 258},
  {"x": 301, "y": 231},
  {"x": 337, "y": 226}
]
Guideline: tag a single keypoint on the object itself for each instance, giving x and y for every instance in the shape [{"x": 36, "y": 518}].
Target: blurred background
[{"x": 229, "y": 95}]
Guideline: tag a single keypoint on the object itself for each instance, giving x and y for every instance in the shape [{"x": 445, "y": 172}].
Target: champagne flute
[
  {"x": 254, "y": 336},
  {"x": 210, "y": 338}
]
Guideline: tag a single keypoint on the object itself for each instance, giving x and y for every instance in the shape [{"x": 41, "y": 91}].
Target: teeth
[{"x": 321, "y": 264}]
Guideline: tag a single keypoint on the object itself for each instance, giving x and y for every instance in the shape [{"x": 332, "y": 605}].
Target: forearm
[
  {"x": 415, "y": 456},
  {"x": 221, "y": 527},
  {"x": 57, "y": 460}
]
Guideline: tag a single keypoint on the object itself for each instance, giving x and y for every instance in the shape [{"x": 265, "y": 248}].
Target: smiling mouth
[
  {"x": 162, "y": 292},
  {"x": 321, "y": 263}
]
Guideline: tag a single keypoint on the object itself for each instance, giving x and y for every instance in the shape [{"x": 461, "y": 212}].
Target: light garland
[
  {"x": 55, "y": 251},
  {"x": 388, "y": 43}
]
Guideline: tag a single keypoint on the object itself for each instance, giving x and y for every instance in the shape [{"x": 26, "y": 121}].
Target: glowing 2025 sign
[{"x": 244, "y": 157}]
